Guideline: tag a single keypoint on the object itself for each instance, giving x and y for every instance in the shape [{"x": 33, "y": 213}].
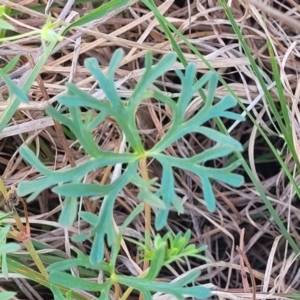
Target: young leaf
[
  {"x": 157, "y": 262},
  {"x": 47, "y": 33}
]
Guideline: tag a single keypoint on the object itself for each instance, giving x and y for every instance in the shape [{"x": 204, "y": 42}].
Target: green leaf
[
  {"x": 75, "y": 174},
  {"x": 157, "y": 262},
  {"x": 90, "y": 218},
  {"x": 144, "y": 191},
  {"x": 114, "y": 63},
  {"x": 208, "y": 194},
  {"x": 99, "y": 12},
  {"x": 139, "y": 209},
  {"x": 189, "y": 277},
  {"x": 72, "y": 282},
  {"x": 29, "y": 156},
  {"x": 82, "y": 260},
  {"x": 76, "y": 97},
  {"x": 3, "y": 233},
  {"x": 84, "y": 136},
  {"x": 58, "y": 295},
  {"x": 14, "y": 89},
  {"x": 147, "y": 196},
  {"x": 11, "y": 64},
  {"x": 79, "y": 238},
  {"x": 4, "y": 216},
  {"x": 160, "y": 195},
  {"x": 4, "y": 267},
  {"x": 5, "y": 25},
  {"x": 8, "y": 248},
  {"x": 151, "y": 73},
  {"x": 220, "y": 138},
  {"x": 105, "y": 292},
  {"x": 47, "y": 32},
  {"x": 69, "y": 295},
  {"x": 168, "y": 288},
  {"x": 63, "y": 265},
  {"x": 7, "y": 295},
  {"x": 210, "y": 154},
  {"x": 106, "y": 82},
  {"x": 187, "y": 92},
  {"x": 168, "y": 195},
  {"x": 2, "y": 10},
  {"x": 82, "y": 189},
  {"x": 69, "y": 212},
  {"x": 104, "y": 228}
]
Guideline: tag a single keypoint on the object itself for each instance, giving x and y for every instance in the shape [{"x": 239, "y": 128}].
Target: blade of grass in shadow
[{"x": 167, "y": 27}]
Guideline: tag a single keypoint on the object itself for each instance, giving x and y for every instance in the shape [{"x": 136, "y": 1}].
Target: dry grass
[{"x": 241, "y": 219}]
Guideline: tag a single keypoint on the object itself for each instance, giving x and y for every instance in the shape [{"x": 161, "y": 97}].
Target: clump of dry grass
[{"x": 263, "y": 262}]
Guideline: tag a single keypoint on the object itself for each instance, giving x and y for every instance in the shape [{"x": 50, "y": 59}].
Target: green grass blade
[{"x": 166, "y": 24}]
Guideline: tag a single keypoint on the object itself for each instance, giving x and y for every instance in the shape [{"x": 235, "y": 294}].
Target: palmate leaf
[{"x": 160, "y": 193}]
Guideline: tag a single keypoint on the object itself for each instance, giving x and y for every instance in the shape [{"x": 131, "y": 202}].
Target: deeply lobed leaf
[{"x": 160, "y": 193}]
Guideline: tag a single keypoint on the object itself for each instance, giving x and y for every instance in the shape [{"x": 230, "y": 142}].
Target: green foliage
[
  {"x": 159, "y": 193},
  {"x": 68, "y": 183},
  {"x": 6, "y": 248},
  {"x": 280, "y": 117},
  {"x": 7, "y": 295},
  {"x": 12, "y": 87},
  {"x": 176, "y": 289},
  {"x": 171, "y": 31},
  {"x": 166, "y": 250},
  {"x": 175, "y": 248},
  {"x": 4, "y": 25}
]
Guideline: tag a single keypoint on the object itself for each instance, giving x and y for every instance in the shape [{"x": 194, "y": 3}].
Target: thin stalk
[
  {"x": 145, "y": 176},
  {"x": 29, "y": 246},
  {"x": 11, "y": 200}
]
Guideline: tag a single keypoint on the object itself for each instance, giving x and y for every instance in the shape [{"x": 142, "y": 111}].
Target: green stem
[{"x": 19, "y": 36}]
